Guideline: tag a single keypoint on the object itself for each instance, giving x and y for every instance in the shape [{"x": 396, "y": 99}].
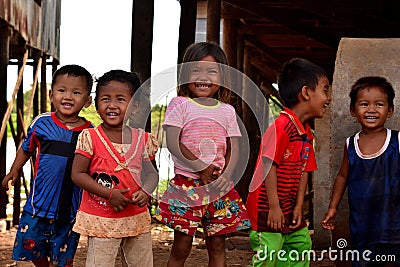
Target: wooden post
[
  {"x": 187, "y": 26},
  {"x": 213, "y": 20},
  {"x": 230, "y": 41},
  {"x": 142, "y": 37},
  {"x": 43, "y": 85},
  {"x": 20, "y": 136},
  {"x": 35, "y": 93},
  {"x": 5, "y": 32},
  {"x": 250, "y": 122},
  {"x": 239, "y": 67},
  {"x": 54, "y": 66},
  {"x": 141, "y": 48}
]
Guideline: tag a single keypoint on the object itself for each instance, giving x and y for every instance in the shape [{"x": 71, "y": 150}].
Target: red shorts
[{"x": 186, "y": 205}]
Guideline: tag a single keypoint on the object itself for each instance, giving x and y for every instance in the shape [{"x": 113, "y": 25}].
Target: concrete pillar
[{"x": 356, "y": 57}]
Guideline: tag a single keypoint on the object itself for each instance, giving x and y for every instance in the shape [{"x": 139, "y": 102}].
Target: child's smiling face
[
  {"x": 204, "y": 77},
  {"x": 69, "y": 95},
  {"x": 372, "y": 108},
  {"x": 112, "y": 103},
  {"x": 320, "y": 97}
]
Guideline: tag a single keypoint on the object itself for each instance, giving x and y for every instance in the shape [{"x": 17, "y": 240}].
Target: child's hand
[
  {"x": 327, "y": 221},
  {"x": 208, "y": 174},
  {"x": 276, "y": 219},
  {"x": 222, "y": 184},
  {"x": 118, "y": 200},
  {"x": 140, "y": 198},
  {"x": 297, "y": 217},
  {"x": 12, "y": 175}
]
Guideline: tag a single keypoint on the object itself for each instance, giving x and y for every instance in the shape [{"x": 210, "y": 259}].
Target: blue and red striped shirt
[{"x": 52, "y": 193}]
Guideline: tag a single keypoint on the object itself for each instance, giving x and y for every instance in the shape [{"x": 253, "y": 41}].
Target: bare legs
[{"x": 183, "y": 245}]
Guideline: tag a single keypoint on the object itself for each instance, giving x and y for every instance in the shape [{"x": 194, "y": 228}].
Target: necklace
[{"x": 65, "y": 122}]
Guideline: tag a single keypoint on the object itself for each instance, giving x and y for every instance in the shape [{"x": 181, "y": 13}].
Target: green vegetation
[
  {"x": 275, "y": 107},
  {"x": 91, "y": 115},
  {"x": 157, "y": 119}
]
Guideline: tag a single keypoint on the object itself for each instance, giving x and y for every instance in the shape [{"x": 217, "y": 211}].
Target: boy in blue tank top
[{"x": 370, "y": 170}]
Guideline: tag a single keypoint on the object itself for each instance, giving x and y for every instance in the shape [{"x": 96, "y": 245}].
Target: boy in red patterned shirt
[{"x": 286, "y": 156}]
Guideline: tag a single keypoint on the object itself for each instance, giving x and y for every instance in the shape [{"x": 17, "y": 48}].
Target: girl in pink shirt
[
  {"x": 203, "y": 137},
  {"x": 108, "y": 163}
]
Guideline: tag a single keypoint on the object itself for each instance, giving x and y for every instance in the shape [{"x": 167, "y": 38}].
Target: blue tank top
[{"x": 374, "y": 193}]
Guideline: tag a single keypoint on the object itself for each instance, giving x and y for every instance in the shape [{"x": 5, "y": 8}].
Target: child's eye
[
  {"x": 104, "y": 99},
  {"x": 195, "y": 70},
  {"x": 380, "y": 105},
  {"x": 77, "y": 93},
  {"x": 213, "y": 71},
  {"x": 364, "y": 104},
  {"x": 121, "y": 99},
  {"x": 60, "y": 90}
]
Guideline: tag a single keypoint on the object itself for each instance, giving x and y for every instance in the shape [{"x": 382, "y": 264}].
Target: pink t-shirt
[{"x": 204, "y": 130}]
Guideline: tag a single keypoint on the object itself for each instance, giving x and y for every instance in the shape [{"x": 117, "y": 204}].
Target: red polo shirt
[{"x": 290, "y": 145}]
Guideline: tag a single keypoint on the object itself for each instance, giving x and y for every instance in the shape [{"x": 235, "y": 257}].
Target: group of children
[{"x": 112, "y": 164}]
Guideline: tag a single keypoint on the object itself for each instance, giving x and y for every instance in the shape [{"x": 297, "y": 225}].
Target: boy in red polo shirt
[{"x": 275, "y": 201}]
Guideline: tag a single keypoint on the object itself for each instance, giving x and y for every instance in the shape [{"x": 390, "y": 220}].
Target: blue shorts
[{"x": 42, "y": 237}]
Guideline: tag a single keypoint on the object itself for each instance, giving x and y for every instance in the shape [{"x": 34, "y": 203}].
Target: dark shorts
[
  {"x": 184, "y": 209},
  {"x": 42, "y": 237}
]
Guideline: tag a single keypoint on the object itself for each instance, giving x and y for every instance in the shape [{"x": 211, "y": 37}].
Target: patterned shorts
[
  {"x": 42, "y": 237},
  {"x": 184, "y": 208}
]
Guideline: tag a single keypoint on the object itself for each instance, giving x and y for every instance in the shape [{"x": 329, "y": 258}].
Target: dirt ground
[{"x": 237, "y": 247}]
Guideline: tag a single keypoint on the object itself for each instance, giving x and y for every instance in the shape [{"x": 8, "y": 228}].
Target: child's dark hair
[
  {"x": 295, "y": 74},
  {"x": 371, "y": 81},
  {"x": 76, "y": 71},
  {"x": 197, "y": 51},
  {"x": 130, "y": 78}
]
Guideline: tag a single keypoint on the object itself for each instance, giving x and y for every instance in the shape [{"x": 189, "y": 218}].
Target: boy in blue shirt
[{"x": 45, "y": 234}]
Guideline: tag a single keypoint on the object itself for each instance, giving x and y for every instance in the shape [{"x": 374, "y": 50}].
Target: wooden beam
[
  {"x": 265, "y": 49},
  {"x": 34, "y": 96},
  {"x": 142, "y": 37},
  {"x": 270, "y": 73},
  {"x": 35, "y": 72},
  {"x": 5, "y": 33},
  {"x": 290, "y": 40},
  {"x": 43, "y": 85},
  {"x": 230, "y": 41},
  {"x": 231, "y": 12},
  {"x": 213, "y": 20},
  {"x": 250, "y": 122},
  {"x": 288, "y": 18},
  {"x": 187, "y": 26},
  {"x": 364, "y": 23},
  {"x": 141, "y": 53}
]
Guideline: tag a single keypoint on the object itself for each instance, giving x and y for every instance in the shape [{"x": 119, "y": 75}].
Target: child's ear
[
  {"x": 353, "y": 112},
  {"x": 305, "y": 92},
  {"x": 390, "y": 112},
  {"x": 88, "y": 102},
  {"x": 51, "y": 95},
  {"x": 134, "y": 106}
]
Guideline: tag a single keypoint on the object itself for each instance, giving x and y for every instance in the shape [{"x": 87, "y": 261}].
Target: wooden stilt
[
  {"x": 213, "y": 20},
  {"x": 187, "y": 26},
  {"x": 10, "y": 105}
]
